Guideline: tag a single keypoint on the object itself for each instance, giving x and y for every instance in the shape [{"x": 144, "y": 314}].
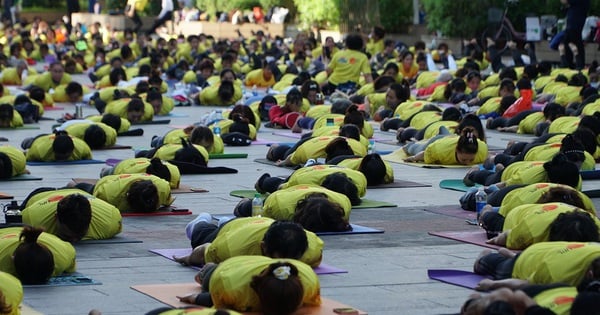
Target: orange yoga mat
[{"x": 167, "y": 293}]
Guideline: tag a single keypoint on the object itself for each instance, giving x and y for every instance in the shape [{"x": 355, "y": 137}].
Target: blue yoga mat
[
  {"x": 37, "y": 163},
  {"x": 465, "y": 279},
  {"x": 356, "y": 229},
  {"x": 71, "y": 279},
  {"x": 595, "y": 174}
]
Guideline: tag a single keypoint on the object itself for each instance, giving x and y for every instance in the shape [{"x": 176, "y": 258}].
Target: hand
[
  {"x": 410, "y": 159},
  {"x": 190, "y": 298},
  {"x": 485, "y": 285}
]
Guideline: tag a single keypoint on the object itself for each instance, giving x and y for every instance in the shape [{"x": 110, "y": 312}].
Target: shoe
[
  {"x": 260, "y": 181},
  {"x": 310, "y": 162},
  {"x": 202, "y": 217}
]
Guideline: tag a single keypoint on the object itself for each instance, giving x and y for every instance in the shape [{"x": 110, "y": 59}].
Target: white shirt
[{"x": 167, "y": 6}]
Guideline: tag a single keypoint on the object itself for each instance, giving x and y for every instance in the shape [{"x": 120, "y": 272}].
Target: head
[
  {"x": 574, "y": 226},
  {"x": 391, "y": 69},
  {"x": 354, "y": 42},
  {"x": 202, "y": 135},
  {"x": 374, "y": 169},
  {"x": 507, "y": 87},
  {"x": 94, "y": 136},
  {"x": 74, "y": 91},
  {"x": 587, "y": 138},
  {"x": 142, "y": 196},
  {"x": 309, "y": 90},
  {"x": 6, "y": 115},
  {"x": 452, "y": 114},
  {"x": 189, "y": 154},
  {"x": 284, "y": 239},
  {"x": 508, "y": 73},
  {"x": 524, "y": 84},
  {"x": 340, "y": 106},
  {"x": 553, "y": 110},
  {"x": 500, "y": 301},
  {"x": 473, "y": 80},
  {"x": 564, "y": 195},
  {"x": 587, "y": 302},
  {"x": 57, "y": 71},
  {"x": 34, "y": 263},
  {"x": 225, "y": 92},
  {"x": 155, "y": 99},
  {"x": 407, "y": 58},
  {"x": 472, "y": 121},
  {"x": 73, "y": 217},
  {"x": 158, "y": 169},
  {"x": 573, "y": 149},
  {"x": 562, "y": 171},
  {"x": 338, "y": 147},
  {"x": 316, "y": 213},
  {"x": 62, "y": 146},
  {"x": 135, "y": 110},
  {"x": 293, "y": 99},
  {"x": 353, "y": 116},
  {"x": 278, "y": 288},
  {"x": 341, "y": 183},
  {"x": 466, "y": 147},
  {"x": 397, "y": 93},
  {"x": 246, "y": 113},
  {"x": 112, "y": 120},
  {"x": 116, "y": 75},
  {"x": 506, "y": 102},
  {"x": 35, "y": 93}
]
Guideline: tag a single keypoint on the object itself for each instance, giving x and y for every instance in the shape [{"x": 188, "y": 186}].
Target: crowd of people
[{"x": 439, "y": 107}]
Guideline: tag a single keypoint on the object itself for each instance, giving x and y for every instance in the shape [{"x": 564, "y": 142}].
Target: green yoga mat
[
  {"x": 366, "y": 203},
  {"x": 22, "y": 177},
  {"x": 456, "y": 184},
  {"x": 213, "y": 156},
  {"x": 24, "y": 127},
  {"x": 75, "y": 278}
]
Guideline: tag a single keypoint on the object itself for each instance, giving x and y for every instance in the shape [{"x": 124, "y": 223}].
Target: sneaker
[
  {"x": 310, "y": 162},
  {"x": 202, "y": 217}
]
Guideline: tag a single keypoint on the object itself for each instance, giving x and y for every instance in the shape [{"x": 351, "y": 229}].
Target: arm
[
  {"x": 368, "y": 77},
  {"x": 512, "y": 283},
  {"x": 419, "y": 157},
  {"x": 500, "y": 239},
  {"x": 286, "y": 162}
]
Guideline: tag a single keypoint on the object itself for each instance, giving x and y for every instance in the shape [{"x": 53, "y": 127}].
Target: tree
[{"x": 319, "y": 13}]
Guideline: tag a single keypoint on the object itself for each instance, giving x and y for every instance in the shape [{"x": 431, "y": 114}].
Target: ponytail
[
  {"x": 34, "y": 263},
  {"x": 467, "y": 142}
]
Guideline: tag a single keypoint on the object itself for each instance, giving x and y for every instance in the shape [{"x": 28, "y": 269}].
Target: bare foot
[
  {"x": 190, "y": 298},
  {"x": 506, "y": 253},
  {"x": 499, "y": 167},
  {"x": 484, "y": 285},
  {"x": 196, "y": 258}
]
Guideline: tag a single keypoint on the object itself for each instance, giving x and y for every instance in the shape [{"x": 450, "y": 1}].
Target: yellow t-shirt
[
  {"x": 347, "y": 66},
  {"x": 210, "y": 96},
  {"x": 530, "y": 223},
  {"x": 423, "y": 119},
  {"x": 443, "y": 151},
  {"x": 229, "y": 285},
  {"x": 528, "y": 124},
  {"x": 255, "y": 77},
  {"x": 167, "y": 151},
  {"x": 119, "y": 108},
  {"x": 552, "y": 262},
  {"x": 41, "y": 149},
  {"x": 490, "y": 106},
  {"x": 558, "y": 300},
  {"x": 281, "y": 205},
  {"x": 354, "y": 164},
  {"x": 532, "y": 193},
  {"x": 315, "y": 148},
  {"x": 12, "y": 290},
  {"x": 564, "y": 124},
  {"x": 78, "y": 130},
  {"x": 409, "y": 108},
  {"x": 546, "y": 152},
  {"x": 243, "y": 236},
  {"x": 63, "y": 252},
  {"x": 139, "y": 165},
  {"x": 40, "y": 211},
  {"x": 17, "y": 158},
  {"x": 113, "y": 189},
  {"x": 316, "y": 175}
]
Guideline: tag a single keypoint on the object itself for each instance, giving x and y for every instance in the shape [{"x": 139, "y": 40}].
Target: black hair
[
  {"x": 451, "y": 114},
  {"x": 379, "y": 31},
  {"x": 6, "y": 113},
  {"x": 337, "y": 147},
  {"x": 158, "y": 169},
  {"x": 587, "y": 138},
  {"x": 578, "y": 79},
  {"x": 309, "y": 85},
  {"x": 591, "y": 122},
  {"x": 472, "y": 121},
  {"x": 574, "y": 226},
  {"x": 75, "y": 213},
  {"x": 294, "y": 96},
  {"x": 316, "y": 213},
  {"x": 62, "y": 146},
  {"x": 153, "y": 95},
  {"x": 553, "y": 110},
  {"x": 142, "y": 196},
  {"x": 402, "y": 90},
  {"x": 341, "y": 183},
  {"x": 112, "y": 120},
  {"x": 201, "y": 134},
  {"x": 94, "y": 136},
  {"x": 144, "y": 70},
  {"x": 74, "y": 87},
  {"x": 383, "y": 82},
  {"x": 506, "y": 102},
  {"x": 33, "y": 262},
  {"x": 530, "y": 71},
  {"x": 467, "y": 142},
  {"x": 226, "y": 91},
  {"x": 142, "y": 87},
  {"x": 586, "y": 303},
  {"x": 116, "y": 75},
  {"x": 507, "y": 84},
  {"x": 285, "y": 239},
  {"x": 354, "y": 41},
  {"x": 35, "y": 93},
  {"x": 374, "y": 169},
  {"x": 499, "y": 308},
  {"x": 524, "y": 84},
  {"x": 572, "y": 148},
  {"x": 5, "y": 166},
  {"x": 301, "y": 79},
  {"x": 353, "y": 116},
  {"x": 564, "y": 194},
  {"x": 189, "y": 154},
  {"x": 508, "y": 73},
  {"x": 544, "y": 68},
  {"x": 135, "y": 104}
]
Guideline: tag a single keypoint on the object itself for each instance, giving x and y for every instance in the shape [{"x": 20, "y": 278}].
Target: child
[
  {"x": 285, "y": 116},
  {"x": 465, "y": 149}
]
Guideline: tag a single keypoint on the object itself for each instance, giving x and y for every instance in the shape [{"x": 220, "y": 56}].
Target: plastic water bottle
[
  {"x": 329, "y": 122},
  {"x": 480, "y": 201},
  {"x": 371, "y": 149},
  {"x": 217, "y": 130},
  {"x": 257, "y": 206},
  {"x": 254, "y": 91}
]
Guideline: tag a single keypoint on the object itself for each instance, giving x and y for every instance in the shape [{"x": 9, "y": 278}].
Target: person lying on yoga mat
[
  {"x": 316, "y": 208},
  {"x": 34, "y": 256},
  {"x": 197, "y": 135},
  {"x": 189, "y": 310},
  {"x": 9, "y": 117},
  {"x": 154, "y": 166},
  {"x": 257, "y": 284},
  {"x": 119, "y": 124},
  {"x": 11, "y": 294},
  {"x": 184, "y": 151},
  {"x": 131, "y": 192},
  {"x": 449, "y": 119},
  {"x": 346, "y": 181},
  {"x": 71, "y": 214},
  {"x": 12, "y": 162},
  {"x": 445, "y": 149},
  {"x": 95, "y": 134},
  {"x": 328, "y": 147},
  {"x": 133, "y": 109},
  {"x": 285, "y": 116},
  {"x": 541, "y": 263},
  {"x": 559, "y": 170},
  {"x": 215, "y": 243},
  {"x": 376, "y": 170},
  {"x": 58, "y": 146}
]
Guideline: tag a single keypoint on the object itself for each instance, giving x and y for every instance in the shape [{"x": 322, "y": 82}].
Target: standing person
[
  {"x": 131, "y": 10},
  {"x": 573, "y": 43},
  {"x": 347, "y": 66},
  {"x": 166, "y": 14},
  {"x": 72, "y": 6}
]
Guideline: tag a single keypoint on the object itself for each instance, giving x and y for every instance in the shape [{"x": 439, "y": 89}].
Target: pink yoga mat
[
  {"x": 452, "y": 211},
  {"x": 168, "y": 253},
  {"x": 475, "y": 237},
  {"x": 465, "y": 279}
]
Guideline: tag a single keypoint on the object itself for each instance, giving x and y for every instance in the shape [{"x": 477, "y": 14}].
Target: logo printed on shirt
[
  {"x": 55, "y": 198},
  {"x": 561, "y": 300}
]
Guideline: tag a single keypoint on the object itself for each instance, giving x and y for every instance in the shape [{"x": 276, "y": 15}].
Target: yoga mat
[
  {"x": 262, "y": 141},
  {"x": 22, "y": 177},
  {"x": 112, "y": 162},
  {"x": 227, "y": 156},
  {"x": 5, "y": 196},
  {"x": 75, "y": 278},
  {"x": 594, "y": 193},
  {"x": 115, "y": 147},
  {"x": 131, "y": 133},
  {"x": 456, "y": 184},
  {"x": 3, "y": 139},
  {"x": 176, "y": 115},
  {"x": 475, "y": 237},
  {"x": 53, "y": 108},
  {"x": 399, "y": 155},
  {"x": 28, "y": 310},
  {"x": 465, "y": 279},
  {"x": 153, "y": 122},
  {"x": 595, "y": 174},
  {"x": 356, "y": 229},
  {"x": 24, "y": 127},
  {"x": 366, "y": 203},
  {"x": 388, "y": 142},
  {"x": 183, "y": 189},
  {"x": 167, "y": 294},
  {"x": 399, "y": 183},
  {"x": 168, "y": 253},
  {"x": 452, "y": 211},
  {"x": 288, "y": 134},
  {"x": 168, "y": 210},
  {"x": 47, "y": 163},
  {"x": 115, "y": 240},
  {"x": 268, "y": 162}
]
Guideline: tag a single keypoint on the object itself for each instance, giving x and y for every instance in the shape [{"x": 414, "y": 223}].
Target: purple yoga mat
[
  {"x": 465, "y": 279},
  {"x": 475, "y": 237},
  {"x": 168, "y": 253},
  {"x": 288, "y": 134},
  {"x": 262, "y": 141},
  {"x": 112, "y": 162}
]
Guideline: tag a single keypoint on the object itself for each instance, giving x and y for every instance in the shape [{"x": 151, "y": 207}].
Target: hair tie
[
  {"x": 282, "y": 272},
  {"x": 573, "y": 151}
]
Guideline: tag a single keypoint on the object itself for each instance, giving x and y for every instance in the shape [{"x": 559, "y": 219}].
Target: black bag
[
  {"x": 29, "y": 112},
  {"x": 236, "y": 139}
]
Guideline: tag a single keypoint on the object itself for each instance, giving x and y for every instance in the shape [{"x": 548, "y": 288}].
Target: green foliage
[
  {"x": 321, "y": 13},
  {"x": 395, "y": 15}
]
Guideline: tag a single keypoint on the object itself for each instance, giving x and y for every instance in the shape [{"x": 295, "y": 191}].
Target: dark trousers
[
  {"x": 574, "y": 36},
  {"x": 159, "y": 22},
  {"x": 138, "y": 22}
]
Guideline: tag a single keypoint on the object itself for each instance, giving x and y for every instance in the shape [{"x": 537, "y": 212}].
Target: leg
[
  {"x": 491, "y": 221},
  {"x": 494, "y": 264},
  {"x": 138, "y": 22},
  {"x": 495, "y": 198}
]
